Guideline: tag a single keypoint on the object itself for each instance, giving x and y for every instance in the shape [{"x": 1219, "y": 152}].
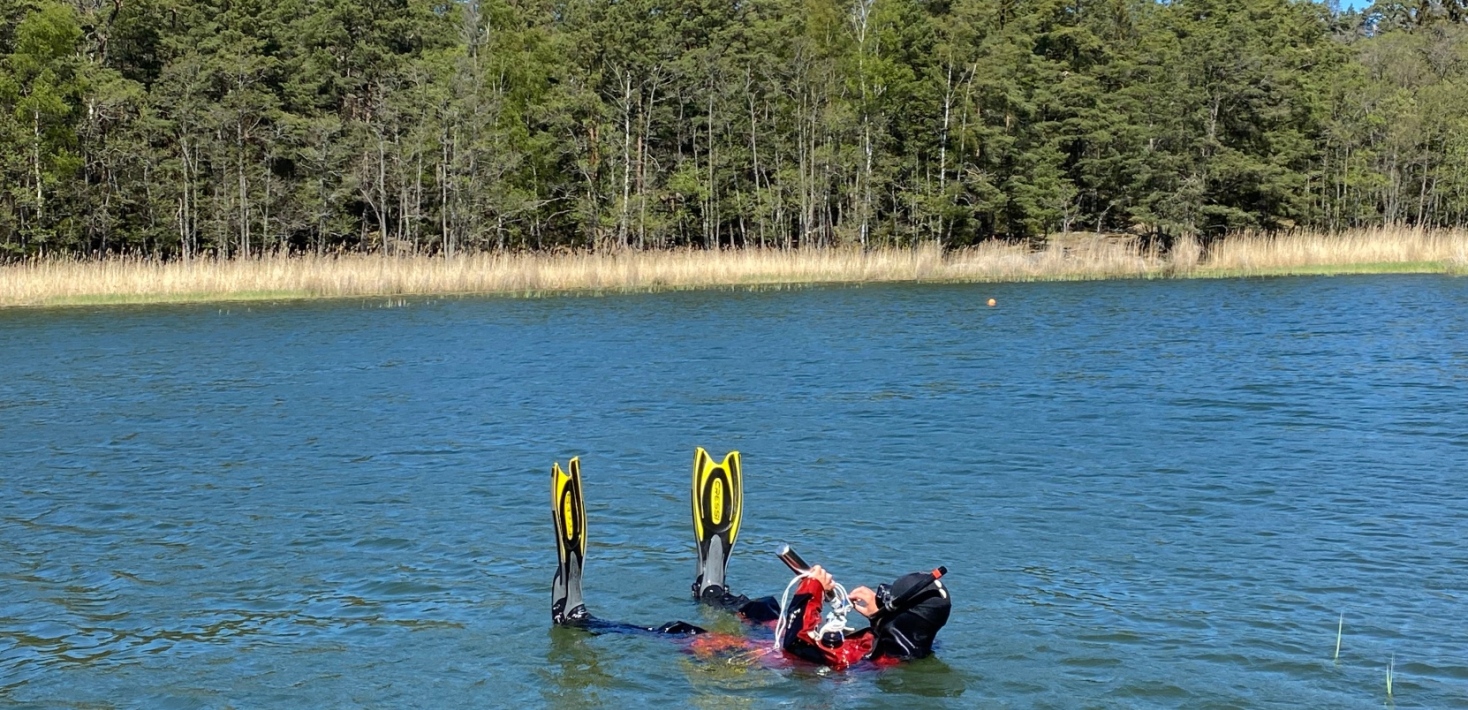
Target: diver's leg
[
  {"x": 757, "y": 610},
  {"x": 602, "y": 626}
]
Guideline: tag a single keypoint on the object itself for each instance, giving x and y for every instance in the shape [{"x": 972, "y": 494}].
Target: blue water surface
[{"x": 1148, "y": 494}]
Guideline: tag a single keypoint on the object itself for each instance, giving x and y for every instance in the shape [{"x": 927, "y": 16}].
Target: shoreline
[{"x": 1074, "y": 257}]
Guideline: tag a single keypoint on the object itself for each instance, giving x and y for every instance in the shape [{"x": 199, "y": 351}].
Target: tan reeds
[
  {"x": 1066, "y": 257},
  {"x": 1367, "y": 250},
  {"x": 50, "y": 282}
]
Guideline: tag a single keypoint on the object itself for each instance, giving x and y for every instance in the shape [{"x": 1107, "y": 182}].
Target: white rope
[
  {"x": 784, "y": 606},
  {"x": 835, "y": 619}
]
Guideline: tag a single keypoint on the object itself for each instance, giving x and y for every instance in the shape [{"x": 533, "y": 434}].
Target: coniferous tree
[{"x": 180, "y": 128}]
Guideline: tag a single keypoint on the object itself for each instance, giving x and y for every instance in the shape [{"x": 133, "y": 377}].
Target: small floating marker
[{"x": 992, "y": 303}]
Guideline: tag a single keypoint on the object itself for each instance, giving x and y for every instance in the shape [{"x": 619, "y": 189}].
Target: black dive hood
[{"x": 912, "y": 610}]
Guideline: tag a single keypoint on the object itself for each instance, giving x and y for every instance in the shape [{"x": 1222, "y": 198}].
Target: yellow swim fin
[
  {"x": 718, "y": 502},
  {"x": 568, "y": 509}
]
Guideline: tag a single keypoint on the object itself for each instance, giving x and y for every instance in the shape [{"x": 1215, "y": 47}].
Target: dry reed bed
[
  {"x": 1275, "y": 254},
  {"x": 47, "y": 282}
]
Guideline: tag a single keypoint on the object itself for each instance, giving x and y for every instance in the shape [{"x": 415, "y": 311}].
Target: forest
[{"x": 180, "y": 128}]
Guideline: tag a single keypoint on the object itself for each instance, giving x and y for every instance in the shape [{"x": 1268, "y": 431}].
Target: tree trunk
[
  {"x": 244, "y": 200},
  {"x": 626, "y": 158}
]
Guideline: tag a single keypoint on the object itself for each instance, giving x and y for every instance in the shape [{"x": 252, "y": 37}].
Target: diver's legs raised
[{"x": 567, "y": 607}]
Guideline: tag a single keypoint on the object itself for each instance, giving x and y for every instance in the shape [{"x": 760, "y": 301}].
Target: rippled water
[{"x": 1147, "y": 493}]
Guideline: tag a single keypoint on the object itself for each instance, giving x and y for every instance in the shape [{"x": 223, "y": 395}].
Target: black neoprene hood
[{"x": 914, "y": 608}]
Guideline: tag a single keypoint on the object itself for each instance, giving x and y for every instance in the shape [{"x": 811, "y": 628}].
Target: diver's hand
[
  {"x": 865, "y": 601},
  {"x": 822, "y": 576}
]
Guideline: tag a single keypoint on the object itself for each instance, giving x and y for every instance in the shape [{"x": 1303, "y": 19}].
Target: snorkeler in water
[{"x": 904, "y": 616}]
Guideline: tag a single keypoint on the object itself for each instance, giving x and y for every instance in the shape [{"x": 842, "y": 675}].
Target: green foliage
[
  {"x": 181, "y": 127},
  {"x": 42, "y": 88}
]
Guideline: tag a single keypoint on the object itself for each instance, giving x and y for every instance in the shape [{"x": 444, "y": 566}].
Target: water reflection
[
  {"x": 572, "y": 676},
  {"x": 927, "y": 678},
  {"x": 724, "y": 679}
]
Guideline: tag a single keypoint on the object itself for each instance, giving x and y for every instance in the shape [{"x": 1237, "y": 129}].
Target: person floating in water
[{"x": 904, "y": 617}]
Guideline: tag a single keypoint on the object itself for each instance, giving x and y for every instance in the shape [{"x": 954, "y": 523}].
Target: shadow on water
[
  {"x": 573, "y": 676},
  {"x": 725, "y": 681},
  {"x": 928, "y": 678}
]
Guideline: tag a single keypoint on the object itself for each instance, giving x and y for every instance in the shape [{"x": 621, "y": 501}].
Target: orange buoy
[{"x": 991, "y": 303}]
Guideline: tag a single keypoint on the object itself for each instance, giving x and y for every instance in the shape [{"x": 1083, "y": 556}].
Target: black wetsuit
[
  {"x": 762, "y": 610},
  {"x": 759, "y": 611}
]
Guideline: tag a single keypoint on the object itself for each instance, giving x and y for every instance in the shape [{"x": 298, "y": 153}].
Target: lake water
[{"x": 1148, "y": 494}]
